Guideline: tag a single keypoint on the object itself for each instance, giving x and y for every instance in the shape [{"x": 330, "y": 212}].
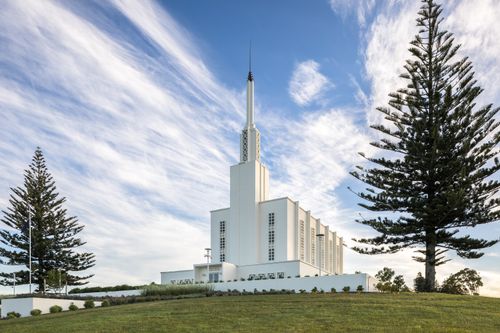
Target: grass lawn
[{"x": 280, "y": 313}]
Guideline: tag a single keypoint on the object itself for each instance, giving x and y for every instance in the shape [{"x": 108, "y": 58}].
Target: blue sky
[{"x": 138, "y": 108}]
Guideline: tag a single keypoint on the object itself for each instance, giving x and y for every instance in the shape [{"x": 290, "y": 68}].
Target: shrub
[
  {"x": 55, "y": 309},
  {"x": 389, "y": 281},
  {"x": 35, "y": 312},
  {"x": 465, "y": 282},
  {"x": 13, "y": 314},
  {"x": 72, "y": 307},
  {"x": 176, "y": 290},
  {"x": 302, "y": 291},
  {"x": 89, "y": 304},
  {"x": 346, "y": 289},
  {"x": 321, "y": 291},
  {"x": 297, "y": 276},
  {"x": 314, "y": 290},
  {"x": 105, "y": 303},
  {"x": 99, "y": 289},
  {"x": 333, "y": 290},
  {"x": 419, "y": 283},
  {"x": 360, "y": 289}
]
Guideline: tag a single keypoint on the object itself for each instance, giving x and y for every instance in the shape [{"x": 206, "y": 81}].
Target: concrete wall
[
  {"x": 167, "y": 277},
  {"x": 24, "y": 305},
  {"x": 321, "y": 282}
]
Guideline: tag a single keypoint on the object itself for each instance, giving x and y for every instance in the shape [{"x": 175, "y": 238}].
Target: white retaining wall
[
  {"x": 307, "y": 283},
  {"x": 24, "y": 305}
]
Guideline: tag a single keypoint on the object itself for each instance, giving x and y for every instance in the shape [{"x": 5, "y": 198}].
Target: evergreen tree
[
  {"x": 443, "y": 154},
  {"x": 53, "y": 233}
]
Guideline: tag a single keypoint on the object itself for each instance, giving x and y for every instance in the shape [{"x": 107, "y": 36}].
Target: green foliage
[
  {"x": 437, "y": 177},
  {"x": 419, "y": 283},
  {"x": 176, "y": 289},
  {"x": 89, "y": 304},
  {"x": 35, "y": 312},
  {"x": 390, "y": 283},
  {"x": 72, "y": 307},
  {"x": 53, "y": 232},
  {"x": 103, "y": 289},
  {"x": 56, "y": 279},
  {"x": 13, "y": 314},
  {"x": 55, "y": 309},
  {"x": 346, "y": 289},
  {"x": 360, "y": 289},
  {"x": 105, "y": 303},
  {"x": 333, "y": 290},
  {"x": 314, "y": 290},
  {"x": 465, "y": 282}
]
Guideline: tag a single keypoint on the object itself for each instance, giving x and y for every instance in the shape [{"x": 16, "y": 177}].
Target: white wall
[
  {"x": 24, "y": 305},
  {"x": 321, "y": 282},
  {"x": 167, "y": 277}
]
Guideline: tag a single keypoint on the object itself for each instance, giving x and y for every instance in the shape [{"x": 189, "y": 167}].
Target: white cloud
[
  {"x": 360, "y": 8},
  {"x": 117, "y": 128},
  {"x": 307, "y": 83}
]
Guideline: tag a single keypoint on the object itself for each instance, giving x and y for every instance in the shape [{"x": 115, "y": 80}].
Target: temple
[{"x": 261, "y": 238}]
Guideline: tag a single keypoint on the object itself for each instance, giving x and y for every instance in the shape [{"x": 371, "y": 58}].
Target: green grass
[{"x": 280, "y": 313}]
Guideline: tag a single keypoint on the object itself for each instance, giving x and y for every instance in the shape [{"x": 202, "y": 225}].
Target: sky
[{"x": 138, "y": 106}]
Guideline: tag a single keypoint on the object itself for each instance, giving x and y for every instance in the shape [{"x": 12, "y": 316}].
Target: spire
[
  {"x": 250, "y": 86},
  {"x": 250, "y": 74}
]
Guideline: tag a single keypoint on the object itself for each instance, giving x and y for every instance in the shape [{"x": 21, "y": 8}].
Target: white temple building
[{"x": 258, "y": 238}]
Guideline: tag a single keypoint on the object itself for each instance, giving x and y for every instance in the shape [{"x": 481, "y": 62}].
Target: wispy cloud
[
  {"x": 307, "y": 83},
  {"x": 360, "y": 8},
  {"x": 127, "y": 134}
]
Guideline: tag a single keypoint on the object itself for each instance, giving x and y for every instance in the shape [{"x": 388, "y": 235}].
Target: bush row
[{"x": 103, "y": 289}]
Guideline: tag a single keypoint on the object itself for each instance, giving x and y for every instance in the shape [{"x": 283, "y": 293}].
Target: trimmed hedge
[
  {"x": 55, "y": 309},
  {"x": 101, "y": 289},
  {"x": 89, "y": 304},
  {"x": 72, "y": 307},
  {"x": 36, "y": 312},
  {"x": 176, "y": 289}
]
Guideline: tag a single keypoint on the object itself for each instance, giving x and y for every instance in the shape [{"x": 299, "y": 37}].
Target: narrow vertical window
[
  {"x": 331, "y": 256},
  {"x": 271, "y": 229},
  {"x": 302, "y": 240},
  {"x": 222, "y": 248},
  {"x": 313, "y": 246}
]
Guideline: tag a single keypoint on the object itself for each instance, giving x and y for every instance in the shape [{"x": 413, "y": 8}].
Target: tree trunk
[{"x": 430, "y": 262}]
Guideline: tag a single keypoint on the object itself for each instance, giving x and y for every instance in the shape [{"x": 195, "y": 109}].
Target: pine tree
[
  {"x": 53, "y": 233},
  {"x": 437, "y": 179}
]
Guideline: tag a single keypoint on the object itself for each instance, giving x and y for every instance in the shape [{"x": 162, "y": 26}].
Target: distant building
[{"x": 258, "y": 238}]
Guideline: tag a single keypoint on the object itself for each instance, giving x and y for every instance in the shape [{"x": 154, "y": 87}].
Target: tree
[
  {"x": 442, "y": 154},
  {"x": 56, "y": 280},
  {"x": 53, "y": 233},
  {"x": 419, "y": 283},
  {"x": 388, "y": 282},
  {"x": 465, "y": 282}
]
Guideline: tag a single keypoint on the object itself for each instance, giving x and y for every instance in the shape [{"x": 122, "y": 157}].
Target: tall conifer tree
[
  {"x": 53, "y": 233},
  {"x": 443, "y": 154}
]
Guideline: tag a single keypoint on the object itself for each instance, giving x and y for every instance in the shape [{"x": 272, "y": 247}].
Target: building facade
[{"x": 259, "y": 238}]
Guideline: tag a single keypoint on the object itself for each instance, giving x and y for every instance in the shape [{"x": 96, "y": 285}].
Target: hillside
[{"x": 280, "y": 313}]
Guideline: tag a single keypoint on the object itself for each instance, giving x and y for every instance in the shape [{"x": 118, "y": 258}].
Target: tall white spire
[
  {"x": 250, "y": 101},
  {"x": 250, "y": 136}
]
